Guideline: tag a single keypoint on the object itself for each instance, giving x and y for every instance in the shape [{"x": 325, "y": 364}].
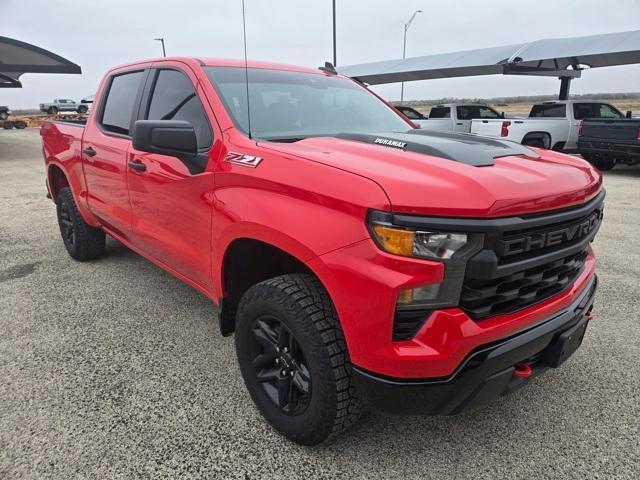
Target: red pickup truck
[{"x": 359, "y": 260}]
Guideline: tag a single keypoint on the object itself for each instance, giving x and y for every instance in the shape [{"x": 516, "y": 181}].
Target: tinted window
[
  {"x": 595, "y": 110},
  {"x": 118, "y": 107},
  {"x": 411, "y": 113},
  {"x": 554, "y": 110},
  {"x": 289, "y": 105},
  {"x": 174, "y": 98},
  {"x": 469, "y": 112},
  {"x": 440, "y": 112}
]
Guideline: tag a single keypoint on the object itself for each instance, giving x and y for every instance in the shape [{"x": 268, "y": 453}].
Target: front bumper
[{"x": 486, "y": 374}]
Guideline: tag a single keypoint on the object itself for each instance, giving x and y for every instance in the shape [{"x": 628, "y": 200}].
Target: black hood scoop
[{"x": 460, "y": 147}]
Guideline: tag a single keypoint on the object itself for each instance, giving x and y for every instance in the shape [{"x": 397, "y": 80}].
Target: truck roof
[
  {"x": 461, "y": 105},
  {"x": 221, "y": 62},
  {"x": 569, "y": 102}
]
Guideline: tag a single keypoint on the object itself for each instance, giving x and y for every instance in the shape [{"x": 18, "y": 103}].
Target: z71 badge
[{"x": 242, "y": 159}]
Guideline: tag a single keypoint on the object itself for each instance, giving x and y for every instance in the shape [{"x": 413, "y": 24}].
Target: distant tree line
[{"x": 523, "y": 99}]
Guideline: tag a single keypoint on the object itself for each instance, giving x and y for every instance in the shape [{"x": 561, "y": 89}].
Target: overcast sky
[{"x": 100, "y": 34}]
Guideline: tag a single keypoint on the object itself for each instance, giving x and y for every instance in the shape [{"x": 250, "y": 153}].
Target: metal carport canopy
[
  {"x": 559, "y": 57},
  {"x": 17, "y": 58}
]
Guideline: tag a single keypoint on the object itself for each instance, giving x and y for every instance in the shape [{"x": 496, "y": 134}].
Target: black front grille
[
  {"x": 526, "y": 260},
  {"x": 485, "y": 298}
]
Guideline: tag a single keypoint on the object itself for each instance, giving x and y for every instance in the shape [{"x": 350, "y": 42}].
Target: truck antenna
[{"x": 246, "y": 69}]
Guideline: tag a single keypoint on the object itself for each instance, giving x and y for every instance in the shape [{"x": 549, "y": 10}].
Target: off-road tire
[
  {"x": 603, "y": 163},
  {"x": 52, "y": 110},
  {"x": 8, "y": 125},
  {"x": 84, "y": 242},
  {"x": 82, "y": 109},
  {"x": 300, "y": 302}
]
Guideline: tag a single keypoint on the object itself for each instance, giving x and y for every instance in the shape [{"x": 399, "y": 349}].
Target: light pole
[
  {"x": 161, "y": 40},
  {"x": 404, "y": 49}
]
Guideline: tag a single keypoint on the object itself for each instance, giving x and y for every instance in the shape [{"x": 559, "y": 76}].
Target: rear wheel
[
  {"x": 82, "y": 109},
  {"x": 537, "y": 139},
  {"x": 294, "y": 360},
  {"x": 20, "y": 125},
  {"x": 82, "y": 241},
  {"x": 603, "y": 163}
]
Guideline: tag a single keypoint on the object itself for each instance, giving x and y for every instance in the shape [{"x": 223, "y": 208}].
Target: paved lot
[{"x": 114, "y": 369}]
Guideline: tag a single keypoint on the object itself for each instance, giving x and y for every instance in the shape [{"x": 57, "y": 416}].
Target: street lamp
[
  {"x": 404, "y": 48},
  {"x": 161, "y": 40}
]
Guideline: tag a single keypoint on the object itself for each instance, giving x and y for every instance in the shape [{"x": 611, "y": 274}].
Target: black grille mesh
[{"x": 484, "y": 298}]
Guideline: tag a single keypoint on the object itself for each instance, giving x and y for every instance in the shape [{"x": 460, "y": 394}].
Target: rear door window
[
  {"x": 595, "y": 110},
  {"x": 440, "y": 112},
  {"x": 120, "y": 102},
  {"x": 552, "y": 110},
  {"x": 174, "y": 98}
]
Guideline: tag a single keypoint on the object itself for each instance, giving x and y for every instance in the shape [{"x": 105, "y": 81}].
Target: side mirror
[
  {"x": 176, "y": 138},
  {"x": 629, "y": 114}
]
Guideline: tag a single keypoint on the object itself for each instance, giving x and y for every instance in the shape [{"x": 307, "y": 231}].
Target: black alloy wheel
[
  {"x": 67, "y": 228},
  {"x": 280, "y": 365}
]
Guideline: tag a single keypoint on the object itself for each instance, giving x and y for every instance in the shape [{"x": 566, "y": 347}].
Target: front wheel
[
  {"x": 82, "y": 109},
  {"x": 294, "y": 360},
  {"x": 52, "y": 110},
  {"x": 82, "y": 241}
]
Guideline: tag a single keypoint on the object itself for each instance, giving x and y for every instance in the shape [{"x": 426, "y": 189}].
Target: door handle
[
  {"x": 460, "y": 123},
  {"x": 137, "y": 166},
  {"x": 89, "y": 152}
]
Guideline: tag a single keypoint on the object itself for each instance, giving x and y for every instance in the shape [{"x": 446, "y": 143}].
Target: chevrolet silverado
[{"x": 358, "y": 260}]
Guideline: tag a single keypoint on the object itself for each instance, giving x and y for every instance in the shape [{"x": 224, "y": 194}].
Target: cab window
[
  {"x": 174, "y": 98},
  {"x": 120, "y": 101}
]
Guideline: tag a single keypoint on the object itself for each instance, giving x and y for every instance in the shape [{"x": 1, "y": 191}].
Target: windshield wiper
[{"x": 285, "y": 139}]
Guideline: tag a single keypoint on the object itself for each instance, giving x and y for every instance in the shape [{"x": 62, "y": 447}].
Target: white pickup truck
[
  {"x": 455, "y": 117},
  {"x": 554, "y": 124}
]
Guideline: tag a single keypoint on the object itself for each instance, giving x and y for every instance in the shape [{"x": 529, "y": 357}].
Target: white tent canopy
[{"x": 559, "y": 57}]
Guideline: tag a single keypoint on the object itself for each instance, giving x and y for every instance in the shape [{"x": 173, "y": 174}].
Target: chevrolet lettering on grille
[{"x": 539, "y": 240}]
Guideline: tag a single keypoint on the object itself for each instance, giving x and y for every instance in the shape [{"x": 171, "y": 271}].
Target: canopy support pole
[{"x": 565, "y": 86}]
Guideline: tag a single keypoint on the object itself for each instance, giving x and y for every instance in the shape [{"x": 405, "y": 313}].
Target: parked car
[
  {"x": 456, "y": 117},
  {"x": 63, "y": 105},
  {"x": 551, "y": 125},
  {"x": 357, "y": 259},
  {"x": 4, "y": 112},
  {"x": 607, "y": 142}
]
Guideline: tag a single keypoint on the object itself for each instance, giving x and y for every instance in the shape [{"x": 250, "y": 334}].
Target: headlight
[
  {"x": 421, "y": 238},
  {"x": 415, "y": 243}
]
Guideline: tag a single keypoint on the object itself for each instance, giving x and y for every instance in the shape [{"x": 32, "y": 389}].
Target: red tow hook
[{"x": 522, "y": 370}]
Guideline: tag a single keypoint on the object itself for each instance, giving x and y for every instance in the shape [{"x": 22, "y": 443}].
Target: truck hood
[{"x": 447, "y": 174}]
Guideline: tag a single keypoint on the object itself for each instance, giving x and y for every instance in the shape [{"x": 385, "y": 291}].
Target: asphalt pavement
[{"x": 115, "y": 369}]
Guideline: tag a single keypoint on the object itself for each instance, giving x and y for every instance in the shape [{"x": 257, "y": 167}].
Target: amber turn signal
[{"x": 394, "y": 240}]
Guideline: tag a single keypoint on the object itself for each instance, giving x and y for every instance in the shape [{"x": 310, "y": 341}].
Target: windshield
[{"x": 294, "y": 105}]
